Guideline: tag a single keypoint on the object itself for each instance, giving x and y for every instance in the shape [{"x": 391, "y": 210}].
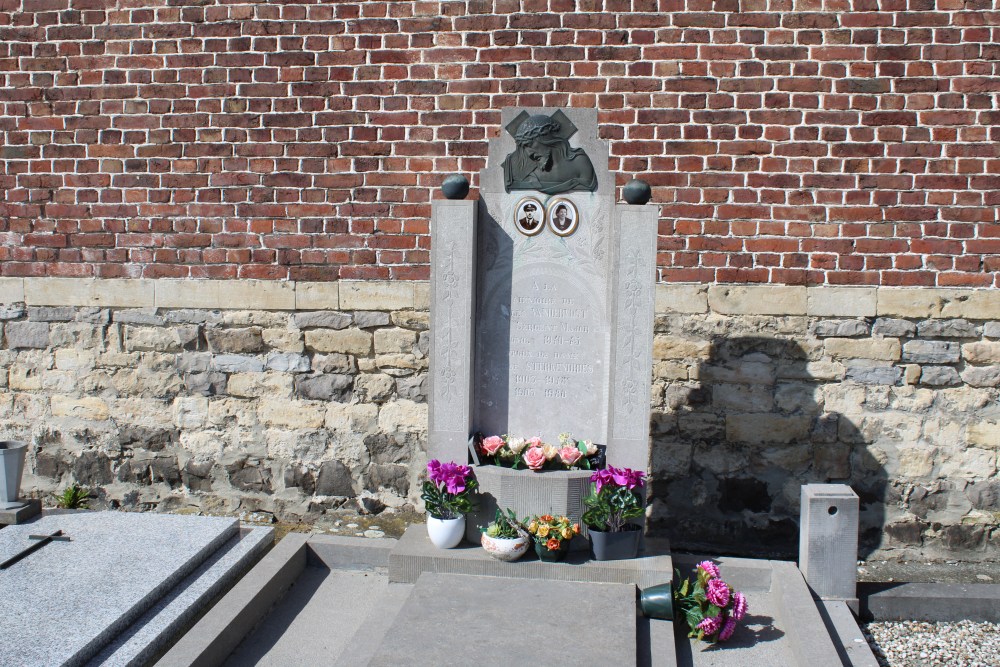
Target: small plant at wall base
[
  {"x": 709, "y": 606},
  {"x": 446, "y": 497},
  {"x": 73, "y": 498},
  {"x": 505, "y": 538}
]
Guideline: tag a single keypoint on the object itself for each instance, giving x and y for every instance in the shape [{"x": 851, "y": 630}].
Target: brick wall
[{"x": 790, "y": 141}]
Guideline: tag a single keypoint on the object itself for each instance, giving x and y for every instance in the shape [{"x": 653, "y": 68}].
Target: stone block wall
[{"x": 245, "y": 396}]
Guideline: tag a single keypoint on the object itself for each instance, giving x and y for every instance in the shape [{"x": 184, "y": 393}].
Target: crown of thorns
[{"x": 530, "y": 131}]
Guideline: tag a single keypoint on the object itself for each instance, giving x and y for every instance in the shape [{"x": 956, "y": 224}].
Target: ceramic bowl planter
[
  {"x": 445, "y": 533},
  {"x": 11, "y": 468},
  {"x": 619, "y": 545},
  {"x": 506, "y": 549}
]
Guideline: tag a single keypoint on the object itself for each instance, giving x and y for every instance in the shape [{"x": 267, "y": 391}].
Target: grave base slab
[{"x": 18, "y": 515}]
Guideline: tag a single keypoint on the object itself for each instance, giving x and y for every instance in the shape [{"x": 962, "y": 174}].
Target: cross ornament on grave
[{"x": 42, "y": 541}]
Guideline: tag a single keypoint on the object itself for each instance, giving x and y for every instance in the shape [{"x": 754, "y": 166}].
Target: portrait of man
[
  {"x": 562, "y": 217},
  {"x": 529, "y": 217}
]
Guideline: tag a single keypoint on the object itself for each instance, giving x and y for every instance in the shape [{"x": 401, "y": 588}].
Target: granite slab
[
  {"x": 491, "y": 611},
  {"x": 160, "y": 624},
  {"x": 65, "y": 602}
]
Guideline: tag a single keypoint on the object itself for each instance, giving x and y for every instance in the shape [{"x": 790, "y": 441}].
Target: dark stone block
[
  {"x": 335, "y": 480},
  {"x": 386, "y": 449},
  {"x": 92, "y": 468},
  {"x": 206, "y": 384},
  {"x": 907, "y": 532},
  {"x": 738, "y": 495},
  {"x": 331, "y": 387},
  {"x": 197, "y": 475},
  {"x": 250, "y": 476},
  {"x": 984, "y": 495},
  {"x": 165, "y": 469},
  {"x": 388, "y": 476},
  {"x": 413, "y": 388},
  {"x": 961, "y": 538},
  {"x": 300, "y": 477},
  {"x": 152, "y": 439}
]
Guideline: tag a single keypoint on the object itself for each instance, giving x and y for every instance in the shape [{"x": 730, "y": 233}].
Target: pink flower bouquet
[
  {"x": 709, "y": 606},
  {"x": 531, "y": 453}
]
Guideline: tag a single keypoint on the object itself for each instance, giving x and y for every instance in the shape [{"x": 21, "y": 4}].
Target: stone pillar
[
  {"x": 632, "y": 303},
  {"x": 453, "y": 307},
  {"x": 828, "y": 540}
]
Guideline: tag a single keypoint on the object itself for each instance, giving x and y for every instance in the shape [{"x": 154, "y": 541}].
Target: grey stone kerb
[{"x": 543, "y": 333}]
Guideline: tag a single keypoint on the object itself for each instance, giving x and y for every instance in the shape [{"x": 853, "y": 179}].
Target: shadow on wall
[{"x": 732, "y": 447}]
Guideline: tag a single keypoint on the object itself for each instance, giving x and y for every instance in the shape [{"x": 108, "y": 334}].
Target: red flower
[{"x": 553, "y": 544}]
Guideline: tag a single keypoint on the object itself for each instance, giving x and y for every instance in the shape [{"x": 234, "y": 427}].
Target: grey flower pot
[{"x": 11, "y": 468}]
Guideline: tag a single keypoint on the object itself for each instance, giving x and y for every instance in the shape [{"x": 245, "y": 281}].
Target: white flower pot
[
  {"x": 507, "y": 549},
  {"x": 445, "y": 533}
]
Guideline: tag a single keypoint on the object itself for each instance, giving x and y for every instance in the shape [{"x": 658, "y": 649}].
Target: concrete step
[
  {"x": 459, "y": 620},
  {"x": 414, "y": 555},
  {"x": 372, "y": 631}
]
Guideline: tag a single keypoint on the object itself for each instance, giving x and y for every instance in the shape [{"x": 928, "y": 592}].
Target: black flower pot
[
  {"x": 615, "y": 546},
  {"x": 551, "y": 555}
]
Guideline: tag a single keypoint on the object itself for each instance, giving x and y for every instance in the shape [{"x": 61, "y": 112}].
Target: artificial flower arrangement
[
  {"x": 708, "y": 604},
  {"x": 531, "y": 453},
  {"x": 552, "y": 535},
  {"x": 446, "y": 491},
  {"x": 616, "y": 498}
]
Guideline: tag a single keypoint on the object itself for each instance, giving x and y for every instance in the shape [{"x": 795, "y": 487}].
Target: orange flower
[
  {"x": 576, "y": 528},
  {"x": 552, "y": 544},
  {"x": 546, "y": 518}
]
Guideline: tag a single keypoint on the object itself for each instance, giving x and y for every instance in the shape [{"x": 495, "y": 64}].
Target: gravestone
[{"x": 542, "y": 300}]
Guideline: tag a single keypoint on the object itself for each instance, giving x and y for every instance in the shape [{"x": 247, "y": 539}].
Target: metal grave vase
[{"x": 11, "y": 468}]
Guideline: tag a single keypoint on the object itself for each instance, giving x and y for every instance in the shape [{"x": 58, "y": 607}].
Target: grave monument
[{"x": 542, "y": 302}]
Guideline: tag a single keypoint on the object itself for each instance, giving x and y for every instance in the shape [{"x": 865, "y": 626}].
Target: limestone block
[
  {"x": 26, "y": 335},
  {"x": 931, "y": 352},
  {"x": 948, "y": 329},
  {"x": 193, "y": 362},
  {"x": 374, "y": 387},
  {"x": 288, "y": 362},
  {"x": 980, "y": 304},
  {"x": 366, "y": 319},
  {"x": 801, "y": 397},
  {"x": 394, "y": 341},
  {"x": 291, "y": 413},
  {"x": 51, "y": 313},
  {"x": 671, "y": 370},
  {"x": 226, "y": 411},
  {"x": 672, "y": 347},
  {"x": 347, "y": 341},
  {"x": 916, "y": 461},
  {"x": 984, "y": 434},
  {"x": 890, "y": 327},
  {"x": 681, "y": 298},
  {"x": 839, "y": 328},
  {"x": 237, "y": 363},
  {"x": 356, "y": 418},
  {"x": 400, "y": 364},
  {"x": 412, "y": 319},
  {"x": 969, "y": 463},
  {"x": 911, "y": 302},
  {"x": 87, "y": 407},
  {"x": 334, "y": 363},
  {"x": 141, "y": 316},
  {"x": 981, "y": 376},
  {"x": 151, "y": 339},
  {"x": 324, "y": 319},
  {"x": 283, "y": 339},
  {"x": 255, "y": 385},
  {"x": 745, "y": 372},
  {"x": 12, "y": 290},
  {"x": 757, "y": 299},
  {"x": 249, "y": 318},
  {"x": 121, "y": 293},
  {"x": 376, "y": 295},
  {"x": 422, "y": 295},
  {"x": 193, "y": 316},
  {"x": 317, "y": 296},
  {"x": 208, "y": 444},
  {"x": 413, "y": 388},
  {"x": 81, "y": 334},
  {"x": 850, "y": 348},
  {"x": 68, "y": 359},
  {"x": 991, "y": 329},
  {"x": 982, "y": 352},
  {"x": 146, "y": 412},
  {"x": 766, "y": 427},
  {"x": 841, "y": 301},
  {"x": 403, "y": 417},
  {"x": 741, "y": 397},
  {"x": 329, "y": 387},
  {"x": 190, "y": 411},
  {"x": 911, "y": 373},
  {"x": 25, "y": 378},
  {"x": 225, "y": 294},
  {"x": 10, "y": 311},
  {"x": 234, "y": 341},
  {"x": 939, "y": 376}
]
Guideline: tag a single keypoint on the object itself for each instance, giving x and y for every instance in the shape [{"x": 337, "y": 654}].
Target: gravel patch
[{"x": 922, "y": 644}]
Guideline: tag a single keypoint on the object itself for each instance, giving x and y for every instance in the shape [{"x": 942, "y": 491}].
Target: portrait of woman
[
  {"x": 529, "y": 216},
  {"x": 563, "y": 217}
]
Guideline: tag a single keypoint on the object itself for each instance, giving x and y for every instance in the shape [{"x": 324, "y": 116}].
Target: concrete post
[{"x": 828, "y": 540}]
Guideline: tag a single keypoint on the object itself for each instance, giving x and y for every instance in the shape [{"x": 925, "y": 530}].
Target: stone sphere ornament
[
  {"x": 637, "y": 191},
  {"x": 455, "y": 186}
]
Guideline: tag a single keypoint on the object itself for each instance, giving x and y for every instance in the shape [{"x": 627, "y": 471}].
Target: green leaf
[{"x": 684, "y": 587}]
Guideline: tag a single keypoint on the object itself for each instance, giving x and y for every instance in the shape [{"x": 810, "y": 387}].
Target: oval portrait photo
[
  {"x": 562, "y": 215},
  {"x": 529, "y": 216}
]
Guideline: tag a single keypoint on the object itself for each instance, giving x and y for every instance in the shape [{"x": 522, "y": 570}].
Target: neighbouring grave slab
[
  {"x": 490, "y": 608},
  {"x": 66, "y": 601}
]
